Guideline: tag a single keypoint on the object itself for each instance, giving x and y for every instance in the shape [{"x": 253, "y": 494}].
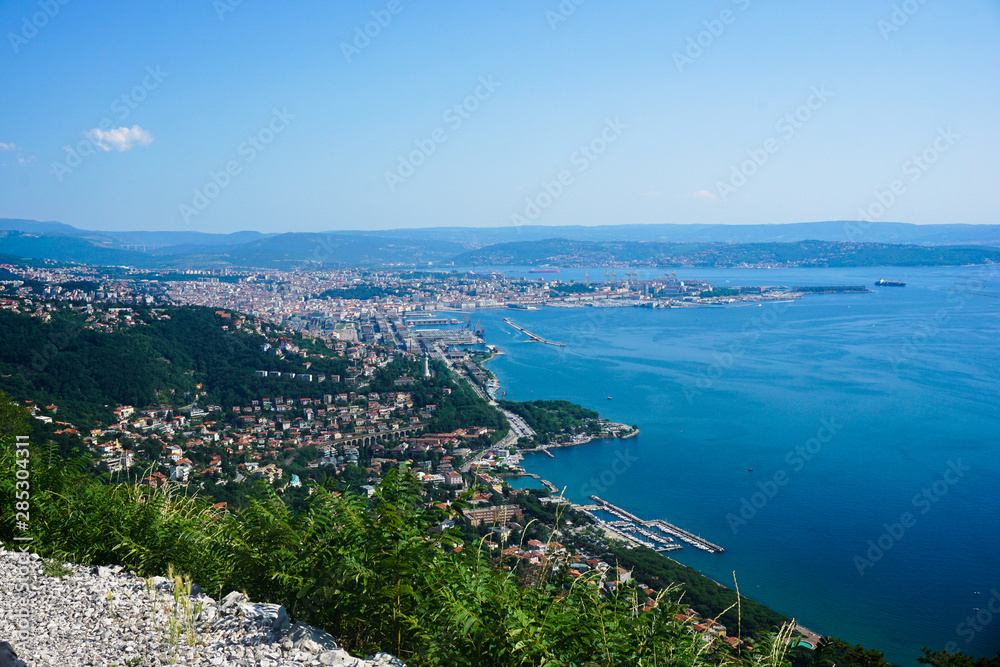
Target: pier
[
  {"x": 548, "y": 485},
  {"x": 659, "y": 524},
  {"x": 534, "y": 337}
]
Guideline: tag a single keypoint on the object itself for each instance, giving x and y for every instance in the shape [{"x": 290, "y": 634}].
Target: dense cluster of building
[
  {"x": 214, "y": 445},
  {"x": 347, "y": 305}
]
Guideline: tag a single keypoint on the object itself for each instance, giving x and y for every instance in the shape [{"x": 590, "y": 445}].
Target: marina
[
  {"x": 698, "y": 501},
  {"x": 659, "y": 524}
]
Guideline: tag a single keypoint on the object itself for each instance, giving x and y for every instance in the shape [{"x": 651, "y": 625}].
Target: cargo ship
[
  {"x": 544, "y": 271},
  {"x": 889, "y": 283}
]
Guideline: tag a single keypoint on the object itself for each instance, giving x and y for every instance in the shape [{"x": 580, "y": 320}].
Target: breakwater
[
  {"x": 534, "y": 337},
  {"x": 659, "y": 524}
]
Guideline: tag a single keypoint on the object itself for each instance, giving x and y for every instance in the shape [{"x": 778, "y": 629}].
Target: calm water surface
[{"x": 864, "y": 417}]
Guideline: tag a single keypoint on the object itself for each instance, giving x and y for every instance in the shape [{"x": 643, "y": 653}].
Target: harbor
[
  {"x": 429, "y": 321},
  {"x": 548, "y": 485},
  {"x": 643, "y": 527}
]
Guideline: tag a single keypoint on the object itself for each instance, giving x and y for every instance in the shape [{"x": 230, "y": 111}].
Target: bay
[{"x": 870, "y": 422}]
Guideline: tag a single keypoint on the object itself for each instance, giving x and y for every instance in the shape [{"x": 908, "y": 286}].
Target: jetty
[
  {"x": 659, "y": 524},
  {"x": 548, "y": 485},
  {"x": 535, "y": 338}
]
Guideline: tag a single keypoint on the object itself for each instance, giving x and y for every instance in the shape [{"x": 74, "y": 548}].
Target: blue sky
[{"x": 229, "y": 115}]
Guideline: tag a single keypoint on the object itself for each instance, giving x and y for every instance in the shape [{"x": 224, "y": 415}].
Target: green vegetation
[
  {"x": 159, "y": 360},
  {"x": 461, "y": 408},
  {"x": 56, "y": 569},
  {"x": 658, "y": 253},
  {"x": 377, "y": 572},
  {"x": 478, "y": 357},
  {"x": 381, "y": 574},
  {"x": 702, "y": 594},
  {"x": 946, "y": 659},
  {"x": 572, "y": 288},
  {"x": 550, "y": 419},
  {"x": 719, "y": 291},
  {"x": 82, "y": 285}
]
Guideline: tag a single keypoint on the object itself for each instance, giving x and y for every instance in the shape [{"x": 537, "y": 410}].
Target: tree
[
  {"x": 946, "y": 659},
  {"x": 831, "y": 651},
  {"x": 13, "y": 418}
]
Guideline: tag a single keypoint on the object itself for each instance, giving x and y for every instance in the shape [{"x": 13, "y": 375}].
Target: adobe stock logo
[
  {"x": 372, "y": 29},
  {"x": 796, "y": 459},
  {"x": 248, "y": 150},
  {"x": 924, "y": 501},
  {"x": 106, "y": 136},
  {"x": 714, "y": 28},
  {"x": 566, "y": 9},
  {"x": 581, "y": 158},
  {"x": 901, "y": 14},
  {"x": 454, "y": 116},
  {"x": 729, "y": 357},
  {"x": 623, "y": 460},
  {"x": 786, "y": 126},
  {"x": 915, "y": 167},
  {"x": 30, "y": 27},
  {"x": 973, "y": 625}
]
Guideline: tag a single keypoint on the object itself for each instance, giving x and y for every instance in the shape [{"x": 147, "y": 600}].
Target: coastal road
[
  {"x": 518, "y": 425},
  {"x": 508, "y": 440}
]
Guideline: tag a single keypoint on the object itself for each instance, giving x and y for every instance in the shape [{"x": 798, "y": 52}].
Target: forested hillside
[{"x": 160, "y": 358}]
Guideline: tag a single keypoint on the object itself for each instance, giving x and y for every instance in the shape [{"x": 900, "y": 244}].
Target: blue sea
[{"x": 870, "y": 421}]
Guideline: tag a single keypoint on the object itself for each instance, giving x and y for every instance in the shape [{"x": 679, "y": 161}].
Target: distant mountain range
[
  {"x": 580, "y": 254},
  {"x": 834, "y": 230},
  {"x": 464, "y": 246}
]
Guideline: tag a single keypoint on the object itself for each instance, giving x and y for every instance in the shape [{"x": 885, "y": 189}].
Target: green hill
[
  {"x": 563, "y": 252},
  {"x": 160, "y": 359}
]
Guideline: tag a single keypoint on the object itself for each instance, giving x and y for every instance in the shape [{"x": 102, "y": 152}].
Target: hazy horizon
[{"x": 231, "y": 116}]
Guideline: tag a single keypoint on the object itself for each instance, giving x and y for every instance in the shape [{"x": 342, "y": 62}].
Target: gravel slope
[{"x": 102, "y": 616}]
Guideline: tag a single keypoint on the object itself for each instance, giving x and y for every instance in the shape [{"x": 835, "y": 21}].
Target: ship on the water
[
  {"x": 544, "y": 271},
  {"x": 882, "y": 282}
]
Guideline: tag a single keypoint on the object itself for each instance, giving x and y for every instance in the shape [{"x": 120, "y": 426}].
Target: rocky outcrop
[{"x": 100, "y": 616}]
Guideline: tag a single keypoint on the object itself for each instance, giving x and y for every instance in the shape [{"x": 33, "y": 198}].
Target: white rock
[
  {"x": 78, "y": 623},
  {"x": 338, "y": 658}
]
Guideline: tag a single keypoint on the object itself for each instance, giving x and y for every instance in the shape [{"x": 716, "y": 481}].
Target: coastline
[{"x": 574, "y": 443}]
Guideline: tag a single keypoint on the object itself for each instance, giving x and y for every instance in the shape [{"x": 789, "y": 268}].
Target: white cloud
[
  {"x": 703, "y": 194},
  {"x": 120, "y": 138},
  {"x": 19, "y": 159}
]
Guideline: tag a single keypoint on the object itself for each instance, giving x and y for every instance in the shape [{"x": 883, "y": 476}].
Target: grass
[
  {"x": 377, "y": 573},
  {"x": 55, "y": 568}
]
